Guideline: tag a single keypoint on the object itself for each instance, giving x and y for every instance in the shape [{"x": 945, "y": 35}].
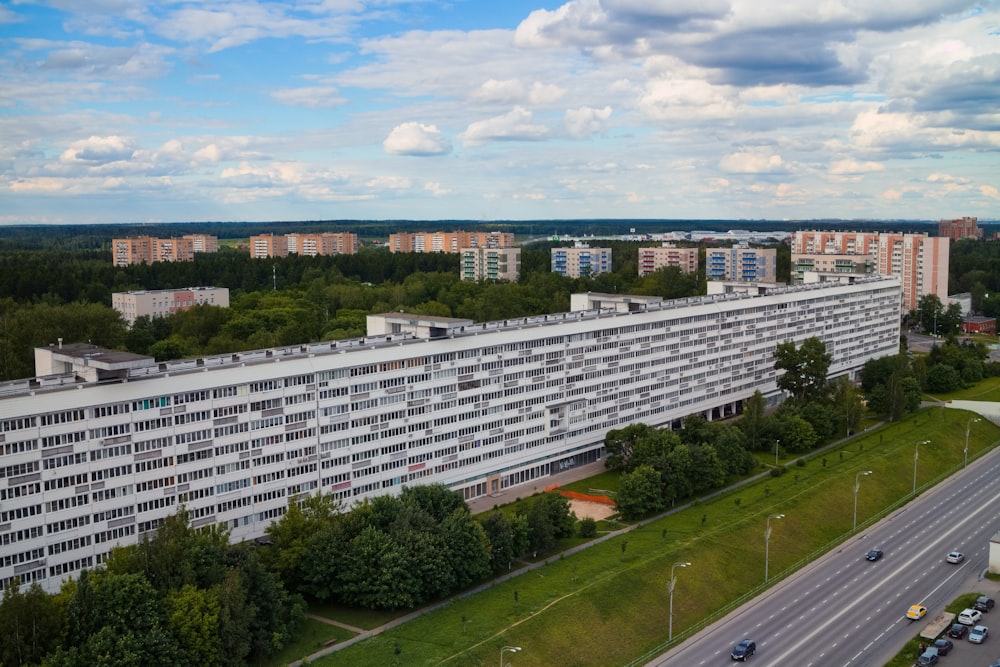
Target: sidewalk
[{"x": 512, "y": 493}]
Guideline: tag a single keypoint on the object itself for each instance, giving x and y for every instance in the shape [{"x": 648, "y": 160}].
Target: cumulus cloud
[
  {"x": 852, "y": 167},
  {"x": 516, "y": 125},
  {"x": 99, "y": 150},
  {"x": 414, "y": 138},
  {"x": 585, "y": 121},
  {"x": 751, "y": 162},
  {"x": 311, "y": 97},
  {"x": 436, "y": 189},
  {"x": 514, "y": 91},
  {"x": 86, "y": 60},
  {"x": 508, "y": 91}
]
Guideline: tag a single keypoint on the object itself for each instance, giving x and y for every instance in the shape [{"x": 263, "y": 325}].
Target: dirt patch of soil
[{"x": 595, "y": 511}]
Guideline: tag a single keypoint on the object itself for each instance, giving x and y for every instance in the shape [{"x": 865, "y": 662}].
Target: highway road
[{"x": 845, "y": 611}]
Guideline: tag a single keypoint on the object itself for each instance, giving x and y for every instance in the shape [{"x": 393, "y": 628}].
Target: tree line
[
  {"x": 284, "y": 301},
  {"x": 185, "y": 597},
  {"x": 181, "y": 597}
]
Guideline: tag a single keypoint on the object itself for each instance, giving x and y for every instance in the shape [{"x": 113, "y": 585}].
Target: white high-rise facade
[{"x": 102, "y": 446}]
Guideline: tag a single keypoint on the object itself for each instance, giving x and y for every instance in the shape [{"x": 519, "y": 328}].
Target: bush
[{"x": 588, "y": 527}]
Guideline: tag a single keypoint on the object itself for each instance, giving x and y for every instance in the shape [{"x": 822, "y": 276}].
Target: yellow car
[{"x": 916, "y": 612}]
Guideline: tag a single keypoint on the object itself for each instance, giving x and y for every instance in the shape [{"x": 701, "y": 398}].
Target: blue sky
[{"x": 168, "y": 110}]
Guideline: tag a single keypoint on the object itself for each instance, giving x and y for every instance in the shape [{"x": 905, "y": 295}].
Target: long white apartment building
[{"x": 101, "y": 446}]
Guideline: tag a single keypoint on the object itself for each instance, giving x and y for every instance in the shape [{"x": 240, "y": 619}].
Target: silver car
[{"x": 978, "y": 634}]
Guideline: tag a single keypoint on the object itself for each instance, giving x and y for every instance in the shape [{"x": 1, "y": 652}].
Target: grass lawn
[
  {"x": 985, "y": 390},
  {"x": 608, "y": 605},
  {"x": 312, "y": 636}
]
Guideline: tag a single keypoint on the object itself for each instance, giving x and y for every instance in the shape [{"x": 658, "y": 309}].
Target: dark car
[
  {"x": 984, "y": 604},
  {"x": 958, "y": 631},
  {"x": 874, "y": 554},
  {"x": 744, "y": 650},
  {"x": 943, "y": 646}
]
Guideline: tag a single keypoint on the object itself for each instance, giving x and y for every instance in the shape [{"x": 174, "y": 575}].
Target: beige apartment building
[
  {"x": 166, "y": 302},
  {"x": 148, "y": 249},
  {"x": 491, "y": 264},
  {"x": 580, "y": 260},
  {"x": 651, "y": 259},
  {"x": 960, "y": 228},
  {"x": 919, "y": 261},
  {"x": 327, "y": 243},
  {"x": 450, "y": 242}
]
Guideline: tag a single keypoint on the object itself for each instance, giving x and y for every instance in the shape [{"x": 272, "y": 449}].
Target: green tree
[
  {"x": 640, "y": 493},
  {"x": 796, "y": 434},
  {"x": 123, "y": 624},
  {"x": 467, "y": 548},
  {"x": 500, "y": 534},
  {"x": 849, "y": 405},
  {"x": 805, "y": 369},
  {"x": 32, "y": 624},
  {"x": 193, "y": 618},
  {"x": 754, "y": 421}
]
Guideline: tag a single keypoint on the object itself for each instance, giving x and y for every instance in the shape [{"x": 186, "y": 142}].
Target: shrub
[{"x": 588, "y": 527}]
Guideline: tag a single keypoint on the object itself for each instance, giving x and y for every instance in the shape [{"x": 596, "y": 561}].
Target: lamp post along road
[
  {"x": 857, "y": 485},
  {"x": 776, "y": 444},
  {"x": 967, "y": 426},
  {"x": 767, "y": 541},
  {"x": 670, "y": 588},
  {"x": 508, "y": 649},
  {"x": 916, "y": 455}
]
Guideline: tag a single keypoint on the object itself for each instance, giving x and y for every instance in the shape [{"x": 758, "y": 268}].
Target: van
[{"x": 928, "y": 657}]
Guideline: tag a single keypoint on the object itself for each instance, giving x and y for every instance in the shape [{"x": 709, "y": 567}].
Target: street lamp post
[
  {"x": 967, "y": 426},
  {"x": 916, "y": 455},
  {"x": 857, "y": 485},
  {"x": 670, "y": 588},
  {"x": 767, "y": 541},
  {"x": 776, "y": 444},
  {"x": 508, "y": 649}
]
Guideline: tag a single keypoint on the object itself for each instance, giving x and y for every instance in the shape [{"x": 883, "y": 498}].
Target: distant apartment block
[
  {"x": 343, "y": 243},
  {"x": 166, "y": 302},
  {"x": 449, "y": 242},
  {"x": 203, "y": 242},
  {"x": 327, "y": 243},
  {"x": 581, "y": 260},
  {"x": 268, "y": 245},
  {"x": 147, "y": 249},
  {"x": 961, "y": 228},
  {"x": 919, "y": 261},
  {"x": 651, "y": 259},
  {"x": 493, "y": 264},
  {"x": 742, "y": 263}
]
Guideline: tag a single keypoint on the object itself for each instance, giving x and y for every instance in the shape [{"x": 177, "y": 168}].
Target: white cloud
[
  {"x": 503, "y": 92},
  {"x": 311, "y": 97},
  {"x": 585, "y": 121},
  {"x": 852, "y": 167},
  {"x": 545, "y": 93},
  {"x": 436, "y": 189},
  {"x": 516, "y": 125},
  {"x": 390, "y": 183},
  {"x": 416, "y": 139},
  {"x": 751, "y": 162},
  {"x": 99, "y": 150}
]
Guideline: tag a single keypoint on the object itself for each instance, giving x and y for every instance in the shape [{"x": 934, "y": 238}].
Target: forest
[
  {"x": 59, "y": 289},
  {"x": 275, "y": 302}
]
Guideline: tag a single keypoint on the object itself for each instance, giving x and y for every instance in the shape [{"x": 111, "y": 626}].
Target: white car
[
  {"x": 970, "y": 616},
  {"x": 955, "y": 557},
  {"x": 978, "y": 634}
]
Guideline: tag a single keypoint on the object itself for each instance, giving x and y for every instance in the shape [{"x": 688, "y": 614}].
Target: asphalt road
[{"x": 845, "y": 611}]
